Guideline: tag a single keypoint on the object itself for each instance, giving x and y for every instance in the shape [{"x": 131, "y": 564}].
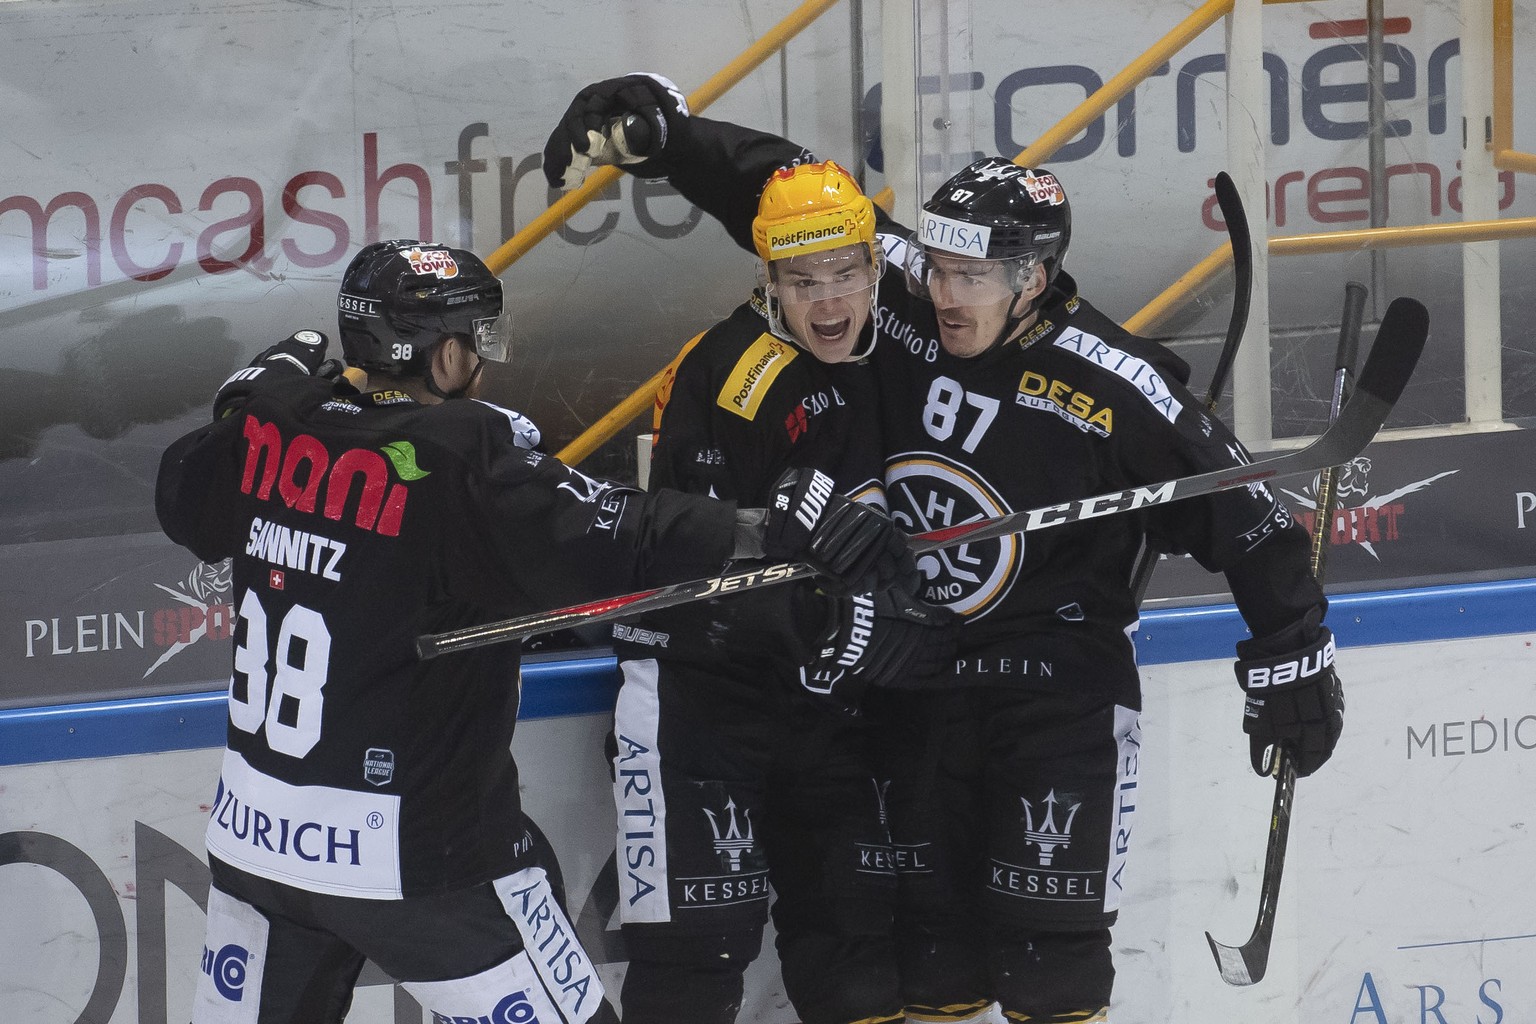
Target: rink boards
[{"x": 1405, "y": 897}]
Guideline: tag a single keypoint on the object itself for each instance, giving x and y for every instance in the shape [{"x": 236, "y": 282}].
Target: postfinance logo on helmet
[
  {"x": 811, "y": 234},
  {"x": 810, "y": 207}
]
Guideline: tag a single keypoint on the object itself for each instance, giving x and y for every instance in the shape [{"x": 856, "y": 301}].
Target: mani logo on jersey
[
  {"x": 309, "y": 479},
  {"x": 928, "y": 492}
]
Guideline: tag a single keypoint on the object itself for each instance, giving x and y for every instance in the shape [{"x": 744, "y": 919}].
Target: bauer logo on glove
[
  {"x": 1283, "y": 671},
  {"x": 1293, "y": 700}
]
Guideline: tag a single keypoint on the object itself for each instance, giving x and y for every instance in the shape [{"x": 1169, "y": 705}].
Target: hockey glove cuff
[
  {"x": 855, "y": 546},
  {"x": 623, "y": 121},
  {"x": 302, "y": 352},
  {"x": 888, "y": 638},
  {"x": 1293, "y": 700}
]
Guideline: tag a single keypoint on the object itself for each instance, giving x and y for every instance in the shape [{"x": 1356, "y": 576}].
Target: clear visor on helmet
[
  {"x": 828, "y": 274},
  {"x": 950, "y": 280},
  {"x": 493, "y": 337}
]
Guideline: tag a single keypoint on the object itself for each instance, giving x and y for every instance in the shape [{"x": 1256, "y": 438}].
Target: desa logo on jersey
[{"x": 1059, "y": 398}]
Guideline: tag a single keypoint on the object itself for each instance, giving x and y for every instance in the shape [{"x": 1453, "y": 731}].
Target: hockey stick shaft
[
  {"x": 1386, "y": 373},
  {"x": 1401, "y": 338},
  {"x": 1343, "y": 372},
  {"x": 1246, "y": 964},
  {"x": 1236, "y": 219}
]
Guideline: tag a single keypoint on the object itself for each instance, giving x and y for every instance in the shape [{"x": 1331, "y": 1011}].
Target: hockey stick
[
  {"x": 1398, "y": 344},
  {"x": 1242, "y": 270},
  {"x": 1245, "y": 964},
  {"x": 1343, "y": 380},
  {"x": 1242, "y": 293}
]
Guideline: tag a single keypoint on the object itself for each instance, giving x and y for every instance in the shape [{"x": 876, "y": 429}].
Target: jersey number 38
[{"x": 280, "y": 690}]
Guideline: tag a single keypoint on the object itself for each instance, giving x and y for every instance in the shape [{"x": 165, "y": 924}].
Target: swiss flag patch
[{"x": 275, "y": 579}]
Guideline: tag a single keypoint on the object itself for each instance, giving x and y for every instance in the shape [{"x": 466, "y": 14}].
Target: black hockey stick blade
[
  {"x": 1245, "y": 964},
  {"x": 1236, "y": 219},
  {"x": 1399, "y": 341},
  {"x": 1242, "y": 284}
]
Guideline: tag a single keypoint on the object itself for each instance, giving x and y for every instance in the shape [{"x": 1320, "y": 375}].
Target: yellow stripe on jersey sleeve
[{"x": 753, "y": 374}]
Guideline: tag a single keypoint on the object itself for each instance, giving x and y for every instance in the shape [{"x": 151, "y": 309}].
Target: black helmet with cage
[{"x": 399, "y": 298}]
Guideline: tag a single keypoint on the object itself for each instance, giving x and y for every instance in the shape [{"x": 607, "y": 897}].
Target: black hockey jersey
[
  {"x": 1076, "y": 407},
  {"x": 742, "y": 407},
  {"x": 357, "y": 522}
]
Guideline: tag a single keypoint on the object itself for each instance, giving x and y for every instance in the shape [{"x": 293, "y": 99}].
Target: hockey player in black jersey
[
  {"x": 1003, "y": 389},
  {"x": 368, "y": 803},
  {"x": 738, "y": 765}
]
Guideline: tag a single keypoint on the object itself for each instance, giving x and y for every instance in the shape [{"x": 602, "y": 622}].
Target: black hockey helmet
[
  {"x": 997, "y": 210},
  {"x": 401, "y": 297}
]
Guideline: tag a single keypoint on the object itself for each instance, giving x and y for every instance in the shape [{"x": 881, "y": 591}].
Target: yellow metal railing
[
  {"x": 1505, "y": 156},
  {"x": 1177, "y": 295}
]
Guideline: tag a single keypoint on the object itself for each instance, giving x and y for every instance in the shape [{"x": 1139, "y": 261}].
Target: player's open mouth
[{"x": 831, "y": 330}]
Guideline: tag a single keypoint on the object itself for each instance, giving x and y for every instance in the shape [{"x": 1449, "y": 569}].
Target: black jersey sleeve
[
  {"x": 1246, "y": 533},
  {"x": 188, "y": 498},
  {"x": 194, "y": 478},
  {"x": 572, "y": 537}
]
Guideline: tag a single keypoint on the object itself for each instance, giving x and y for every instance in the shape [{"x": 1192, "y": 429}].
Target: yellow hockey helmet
[{"x": 809, "y": 208}]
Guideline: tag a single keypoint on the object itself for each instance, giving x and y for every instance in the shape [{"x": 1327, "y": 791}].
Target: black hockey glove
[
  {"x": 300, "y": 352},
  {"x": 597, "y": 127},
  {"x": 1294, "y": 700},
  {"x": 887, "y": 638},
  {"x": 856, "y": 547}
]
